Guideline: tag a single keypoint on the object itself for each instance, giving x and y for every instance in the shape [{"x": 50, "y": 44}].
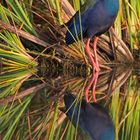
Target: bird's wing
[
  {"x": 76, "y": 26},
  {"x": 86, "y": 6},
  {"x": 76, "y": 31}
]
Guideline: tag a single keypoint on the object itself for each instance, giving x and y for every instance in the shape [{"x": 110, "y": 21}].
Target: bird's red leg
[
  {"x": 89, "y": 54},
  {"x": 95, "y": 54}
]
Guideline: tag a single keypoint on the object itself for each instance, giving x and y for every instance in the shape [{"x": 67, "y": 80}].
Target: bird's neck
[{"x": 112, "y": 6}]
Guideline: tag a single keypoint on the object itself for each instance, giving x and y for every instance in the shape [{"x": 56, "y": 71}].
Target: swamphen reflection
[
  {"x": 93, "y": 119},
  {"x": 94, "y": 18}
]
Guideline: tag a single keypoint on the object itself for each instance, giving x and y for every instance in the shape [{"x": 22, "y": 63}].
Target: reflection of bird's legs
[
  {"x": 93, "y": 81},
  {"x": 95, "y": 54},
  {"x": 88, "y": 87},
  {"x": 94, "y": 85}
]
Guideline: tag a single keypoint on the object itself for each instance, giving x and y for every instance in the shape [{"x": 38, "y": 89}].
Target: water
[{"x": 32, "y": 103}]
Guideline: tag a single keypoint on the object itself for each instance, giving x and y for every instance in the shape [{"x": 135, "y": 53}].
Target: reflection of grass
[
  {"x": 10, "y": 114},
  {"x": 39, "y": 117},
  {"x": 10, "y": 117},
  {"x": 125, "y": 112}
]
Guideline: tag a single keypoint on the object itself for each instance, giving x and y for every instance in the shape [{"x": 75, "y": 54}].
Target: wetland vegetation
[{"x": 37, "y": 68}]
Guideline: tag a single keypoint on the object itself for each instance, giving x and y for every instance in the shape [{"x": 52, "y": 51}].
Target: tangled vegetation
[{"x": 31, "y": 36}]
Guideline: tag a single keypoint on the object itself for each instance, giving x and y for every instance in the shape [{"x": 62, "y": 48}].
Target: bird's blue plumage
[
  {"x": 92, "y": 21},
  {"x": 93, "y": 118}
]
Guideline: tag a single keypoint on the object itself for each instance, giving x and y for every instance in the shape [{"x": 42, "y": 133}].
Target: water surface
[{"x": 32, "y": 103}]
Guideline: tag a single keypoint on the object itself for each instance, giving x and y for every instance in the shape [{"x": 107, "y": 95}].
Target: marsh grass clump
[
  {"x": 38, "y": 23},
  {"x": 31, "y": 35}
]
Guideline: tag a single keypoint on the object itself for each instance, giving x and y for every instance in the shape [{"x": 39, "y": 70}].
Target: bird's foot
[{"x": 96, "y": 68}]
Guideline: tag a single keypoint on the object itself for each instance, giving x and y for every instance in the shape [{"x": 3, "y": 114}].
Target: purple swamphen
[
  {"x": 94, "y": 18},
  {"x": 92, "y": 118}
]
